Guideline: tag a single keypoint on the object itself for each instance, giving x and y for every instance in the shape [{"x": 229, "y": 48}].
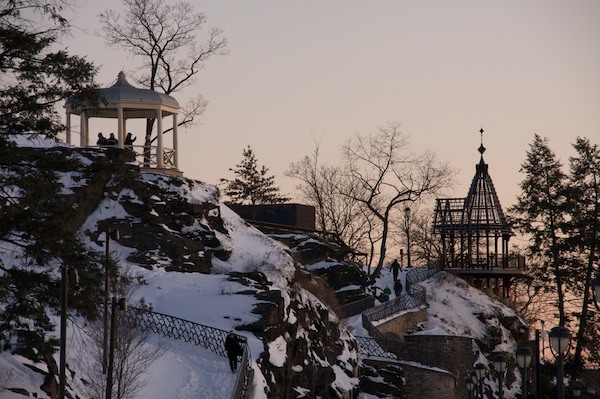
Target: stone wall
[
  {"x": 423, "y": 382},
  {"x": 404, "y": 323},
  {"x": 452, "y": 353}
]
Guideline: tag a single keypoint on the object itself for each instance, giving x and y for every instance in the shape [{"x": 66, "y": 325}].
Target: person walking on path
[
  {"x": 395, "y": 268},
  {"x": 398, "y": 288},
  {"x": 233, "y": 349}
]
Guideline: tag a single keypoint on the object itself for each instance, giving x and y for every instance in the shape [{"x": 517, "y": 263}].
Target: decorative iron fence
[
  {"x": 394, "y": 306},
  {"x": 206, "y": 337}
]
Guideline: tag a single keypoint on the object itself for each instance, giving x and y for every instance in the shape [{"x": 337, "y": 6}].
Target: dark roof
[{"x": 480, "y": 211}]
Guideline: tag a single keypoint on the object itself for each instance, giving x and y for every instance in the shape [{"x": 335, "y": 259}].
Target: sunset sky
[{"x": 300, "y": 71}]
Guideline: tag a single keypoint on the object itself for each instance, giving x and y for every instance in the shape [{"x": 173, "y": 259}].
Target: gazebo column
[
  {"x": 159, "y": 135},
  {"x": 68, "y": 133},
  {"x": 120, "y": 133},
  {"x": 83, "y": 141},
  {"x": 175, "y": 144}
]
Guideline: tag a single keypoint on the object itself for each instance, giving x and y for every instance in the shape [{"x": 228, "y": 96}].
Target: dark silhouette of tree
[
  {"x": 35, "y": 75},
  {"x": 335, "y": 213},
  {"x": 252, "y": 185},
  {"x": 583, "y": 202},
  {"x": 165, "y": 38},
  {"x": 539, "y": 214},
  {"x": 388, "y": 175}
]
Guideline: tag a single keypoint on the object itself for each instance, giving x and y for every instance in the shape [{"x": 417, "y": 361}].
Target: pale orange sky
[{"x": 330, "y": 69}]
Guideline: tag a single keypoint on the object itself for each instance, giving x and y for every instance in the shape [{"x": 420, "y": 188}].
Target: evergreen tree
[
  {"x": 584, "y": 242},
  {"x": 540, "y": 213},
  {"x": 34, "y": 77},
  {"x": 252, "y": 185}
]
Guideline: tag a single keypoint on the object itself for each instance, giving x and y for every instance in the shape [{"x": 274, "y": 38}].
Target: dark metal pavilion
[{"x": 475, "y": 234}]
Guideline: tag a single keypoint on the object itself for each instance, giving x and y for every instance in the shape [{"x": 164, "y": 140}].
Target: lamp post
[
  {"x": 69, "y": 276},
  {"x": 524, "y": 356},
  {"x": 469, "y": 384},
  {"x": 596, "y": 290},
  {"x": 480, "y": 373},
  {"x": 499, "y": 360},
  {"x": 108, "y": 233},
  {"x": 407, "y": 222},
  {"x": 122, "y": 305},
  {"x": 560, "y": 337}
]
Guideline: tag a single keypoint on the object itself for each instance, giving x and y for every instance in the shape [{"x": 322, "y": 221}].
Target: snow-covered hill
[{"x": 190, "y": 253}]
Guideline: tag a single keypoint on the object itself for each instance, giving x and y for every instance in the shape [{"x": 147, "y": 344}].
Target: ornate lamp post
[
  {"x": 499, "y": 360},
  {"x": 69, "y": 277},
  {"x": 480, "y": 372},
  {"x": 560, "y": 337},
  {"x": 469, "y": 384},
  {"x": 115, "y": 235},
  {"x": 524, "y": 356},
  {"x": 407, "y": 221},
  {"x": 122, "y": 305}
]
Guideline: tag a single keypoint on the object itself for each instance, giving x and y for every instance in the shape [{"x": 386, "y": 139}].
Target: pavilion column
[
  {"x": 159, "y": 135},
  {"x": 68, "y": 133},
  {"x": 175, "y": 144},
  {"x": 83, "y": 142},
  {"x": 120, "y": 133}
]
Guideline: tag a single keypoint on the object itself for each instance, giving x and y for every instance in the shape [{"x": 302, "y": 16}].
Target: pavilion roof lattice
[{"x": 479, "y": 212}]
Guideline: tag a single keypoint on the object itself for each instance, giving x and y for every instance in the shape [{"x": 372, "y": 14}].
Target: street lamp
[
  {"x": 480, "y": 373},
  {"x": 560, "y": 337},
  {"x": 407, "y": 221},
  {"x": 69, "y": 277},
  {"x": 115, "y": 235},
  {"x": 499, "y": 360},
  {"x": 596, "y": 290},
  {"x": 122, "y": 303},
  {"x": 469, "y": 384},
  {"x": 524, "y": 356}
]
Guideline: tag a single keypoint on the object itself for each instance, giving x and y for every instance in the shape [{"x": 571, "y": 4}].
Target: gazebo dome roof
[
  {"x": 122, "y": 90},
  {"x": 135, "y": 101}
]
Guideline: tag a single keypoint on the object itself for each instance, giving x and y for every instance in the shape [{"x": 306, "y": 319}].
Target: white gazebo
[{"x": 123, "y": 101}]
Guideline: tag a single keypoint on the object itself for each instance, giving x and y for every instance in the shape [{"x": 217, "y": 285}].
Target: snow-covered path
[{"x": 188, "y": 372}]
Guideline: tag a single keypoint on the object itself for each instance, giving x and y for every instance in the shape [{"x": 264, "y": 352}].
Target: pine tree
[
  {"x": 34, "y": 76},
  {"x": 252, "y": 185},
  {"x": 540, "y": 212},
  {"x": 584, "y": 241}
]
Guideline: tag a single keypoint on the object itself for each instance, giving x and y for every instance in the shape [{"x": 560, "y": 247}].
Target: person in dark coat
[
  {"x": 395, "y": 267},
  {"x": 101, "y": 139},
  {"x": 233, "y": 349},
  {"x": 398, "y": 288},
  {"x": 129, "y": 140},
  {"x": 111, "y": 140}
]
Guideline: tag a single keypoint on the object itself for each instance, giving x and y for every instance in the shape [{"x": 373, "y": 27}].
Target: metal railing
[
  {"x": 147, "y": 156},
  {"x": 416, "y": 297},
  {"x": 206, "y": 337},
  {"x": 370, "y": 347}
]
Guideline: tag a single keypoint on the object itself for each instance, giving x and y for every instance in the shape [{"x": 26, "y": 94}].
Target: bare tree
[
  {"x": 165, "y": 37},
  {"x": 133, "y": 353},
  {"x": 388, "y": 174},
  {"x": 425, "y": 246},
  {"x": 335, "y": 213}
]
